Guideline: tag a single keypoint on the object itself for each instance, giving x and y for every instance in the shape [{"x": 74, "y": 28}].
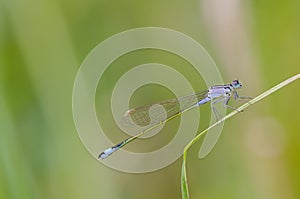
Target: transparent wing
[{"x": 160, "y": 111}]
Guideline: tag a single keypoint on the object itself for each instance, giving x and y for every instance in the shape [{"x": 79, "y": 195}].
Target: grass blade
[{"x": 184, "y": 182}]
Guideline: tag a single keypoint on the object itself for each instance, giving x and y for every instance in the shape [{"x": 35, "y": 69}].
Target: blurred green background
[{"x": 42, "y": 44}]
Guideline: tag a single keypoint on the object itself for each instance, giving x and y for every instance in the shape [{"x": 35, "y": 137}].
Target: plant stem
[{"x": 184, "y": 183}]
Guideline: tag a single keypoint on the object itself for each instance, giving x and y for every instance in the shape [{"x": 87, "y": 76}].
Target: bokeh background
[{"x": 42, "y": 44}]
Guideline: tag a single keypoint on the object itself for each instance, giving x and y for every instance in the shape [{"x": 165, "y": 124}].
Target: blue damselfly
[{"x": 175, "y": 107}]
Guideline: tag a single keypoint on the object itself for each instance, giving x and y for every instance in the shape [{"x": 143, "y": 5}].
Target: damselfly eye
[{"x": 236, "y": 84}]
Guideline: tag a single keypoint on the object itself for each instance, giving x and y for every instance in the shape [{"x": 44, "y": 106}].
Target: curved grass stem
[{"x": 184, "y": 183}]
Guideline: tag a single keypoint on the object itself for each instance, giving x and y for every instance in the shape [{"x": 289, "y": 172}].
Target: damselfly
[{"x": 175, "y": 107}]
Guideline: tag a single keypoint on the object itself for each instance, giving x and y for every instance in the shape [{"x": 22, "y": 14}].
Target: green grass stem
[{"x": 184, "y": 182}]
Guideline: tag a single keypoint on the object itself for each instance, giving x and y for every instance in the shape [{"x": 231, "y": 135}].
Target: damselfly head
[{"x": 236, "y": 84}]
